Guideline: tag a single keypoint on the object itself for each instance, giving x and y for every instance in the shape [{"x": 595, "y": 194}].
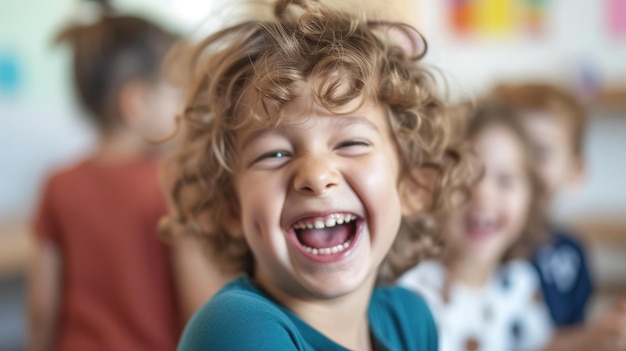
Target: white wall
[
  {"x": 40, "y": 126},
  {"x": 576, "y": 36},
  {"x": 603, "y": 194},
  {"x": 576, "y": 40}
]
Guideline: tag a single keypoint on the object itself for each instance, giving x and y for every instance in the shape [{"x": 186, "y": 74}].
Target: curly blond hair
[{"x": 345, "y": 57}]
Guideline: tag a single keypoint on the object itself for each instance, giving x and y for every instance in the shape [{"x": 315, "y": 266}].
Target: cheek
[
  {"x": 550, "y": 169},
  {"x": 454, "y": 228},
  {"x": 260, "y": 208},
  {"x": 380, "y": 178},
  {"x": 372, "y": 174},
  {"x": 556, "y": 168},
  {"x": 518, "y": 205},
  {"x": 161, "y": 114},
  {"x": 258, "y": 199},
  {"x": 374, "y": 181}
]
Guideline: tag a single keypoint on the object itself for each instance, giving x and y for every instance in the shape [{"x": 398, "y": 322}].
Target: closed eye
[
  {"x": 353, "y": 147},
  {"x": 352, "y": 143}
]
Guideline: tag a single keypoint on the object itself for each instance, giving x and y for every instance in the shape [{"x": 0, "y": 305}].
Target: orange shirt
[{"x": 117, "y": 285}]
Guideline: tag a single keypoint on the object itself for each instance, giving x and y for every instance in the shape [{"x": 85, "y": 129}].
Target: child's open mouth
[
  {"x": 326, "y": 237},
  {"x": 480, "y": 228}
]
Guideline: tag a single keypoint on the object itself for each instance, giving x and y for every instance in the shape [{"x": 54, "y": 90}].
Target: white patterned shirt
[{"x": 508, "y": 314}]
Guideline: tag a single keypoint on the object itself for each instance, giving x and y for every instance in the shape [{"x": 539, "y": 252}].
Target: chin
[
  {"x": 482, "y": 254},
  {"x": 336, "y": 286}
]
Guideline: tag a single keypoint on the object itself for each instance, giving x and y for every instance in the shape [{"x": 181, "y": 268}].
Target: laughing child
[
  {"x": 304, "y": 141},
  {"x": 483, "y": 296}
]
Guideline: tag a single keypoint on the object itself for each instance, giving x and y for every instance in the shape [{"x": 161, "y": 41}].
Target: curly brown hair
[
  {"x": 536, "y": 96},
  {"x": 344, "y": 57}
]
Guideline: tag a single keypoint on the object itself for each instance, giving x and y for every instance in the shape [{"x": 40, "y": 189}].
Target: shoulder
[
  {"x": 239, "y": 319},
  {"x": 519, "y": 267},
  {"x": 59, "y": 177},
  {"x": 565, "y": 238},
  {"x": 519, "y": 272},
  {"x": 426, "y": 279},
  {"x": 520, "y": 279},
  {"x": 564, "y": 249},
  {"x": 426, "y": 275},
  {"x": 404, "y": 318},
  {"x": 51, "y": 199},
  {"x": 399, "y": 297},
  {"x": 63, "y": 178}
]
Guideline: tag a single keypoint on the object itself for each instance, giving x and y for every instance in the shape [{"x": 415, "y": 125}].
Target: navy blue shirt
[
  {"x": 242, "y": 317},
  {"x": 565, "y": 279}
]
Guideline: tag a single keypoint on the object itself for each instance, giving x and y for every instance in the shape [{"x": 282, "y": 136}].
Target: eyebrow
[
  {"x": 256, "y": 134},
  {"x": 339, "y": 121},
  {"x": 347, "y": 121}
]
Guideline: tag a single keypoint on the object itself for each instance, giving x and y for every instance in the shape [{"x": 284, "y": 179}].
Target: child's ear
[{"x": 416, "y": 189}]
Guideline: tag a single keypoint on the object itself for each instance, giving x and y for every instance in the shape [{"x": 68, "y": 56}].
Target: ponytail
[{"x": 108, "y": 51}]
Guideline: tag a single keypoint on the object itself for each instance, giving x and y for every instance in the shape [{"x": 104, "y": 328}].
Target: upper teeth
[{"x": 328, "y": 222}]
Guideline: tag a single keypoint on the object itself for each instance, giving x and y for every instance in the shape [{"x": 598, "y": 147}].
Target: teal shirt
[{"x": 242, "y": 317}]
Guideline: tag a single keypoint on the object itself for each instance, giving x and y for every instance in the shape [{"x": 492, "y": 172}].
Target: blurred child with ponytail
[{"x": 100, "y": 278}]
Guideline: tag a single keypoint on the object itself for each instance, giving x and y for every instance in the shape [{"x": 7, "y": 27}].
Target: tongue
[{"x": 324, "y": 238}]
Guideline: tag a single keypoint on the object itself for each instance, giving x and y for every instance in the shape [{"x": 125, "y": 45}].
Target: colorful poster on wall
[
  {"x": 534, "y": 17},
  {"x": 462, "y": 17},
  {"x": 498, "y": 18},
  {"x": 616, "y": 13},
  {"x": 495, "y": 17}
]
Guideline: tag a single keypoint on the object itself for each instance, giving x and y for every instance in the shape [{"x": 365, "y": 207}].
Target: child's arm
[
  {"x": 44, "y": 291},
  {"x": 607, "y": 333},
  {"x": 197, "y": 275}
]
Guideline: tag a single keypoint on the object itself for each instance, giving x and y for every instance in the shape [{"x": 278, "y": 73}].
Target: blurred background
[{"x": 580, "y": 44}]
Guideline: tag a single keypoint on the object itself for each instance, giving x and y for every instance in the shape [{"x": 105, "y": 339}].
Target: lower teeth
[{"x": 328, "y": 250}]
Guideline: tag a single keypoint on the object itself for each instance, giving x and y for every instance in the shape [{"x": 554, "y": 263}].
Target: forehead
[
  {"x": 499, "y": 147},
  {"x": 256, "y": 115},
  {"x": 548, "y": 120}
]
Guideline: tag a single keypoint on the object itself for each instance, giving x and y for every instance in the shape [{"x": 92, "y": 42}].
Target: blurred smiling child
[
  {"x": 301, "y": 134},
  {"x": 483, "y": 296},
  {"x": 556, "y": 121}
]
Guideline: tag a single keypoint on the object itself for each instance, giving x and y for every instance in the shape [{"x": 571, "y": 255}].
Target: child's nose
[{"x": 316, "y": 176}]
